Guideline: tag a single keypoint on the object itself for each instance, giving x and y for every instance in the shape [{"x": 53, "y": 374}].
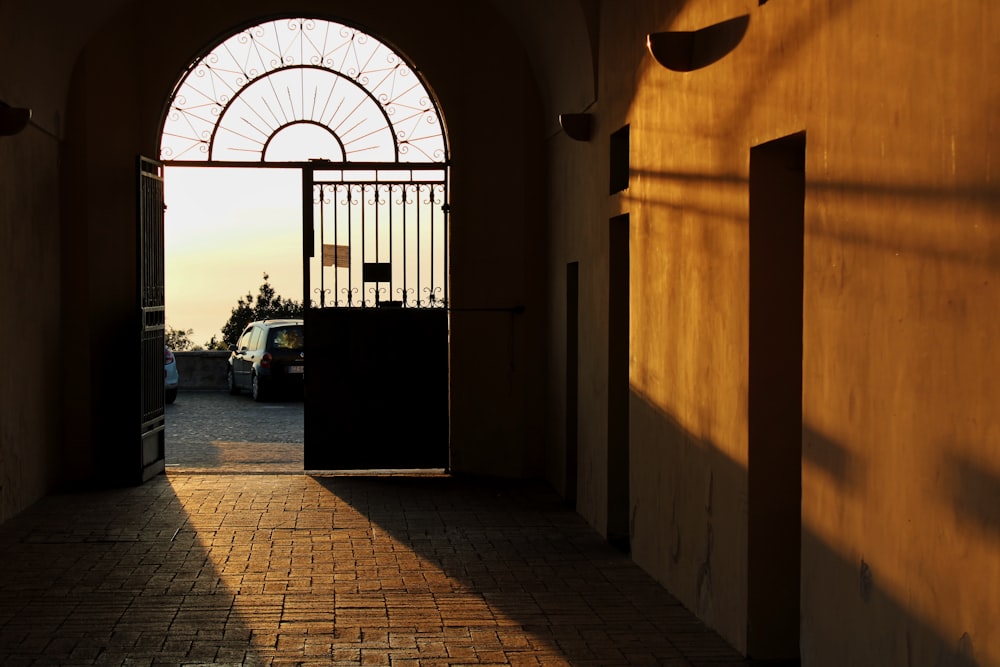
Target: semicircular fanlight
[{"x": 349, "y": 97}]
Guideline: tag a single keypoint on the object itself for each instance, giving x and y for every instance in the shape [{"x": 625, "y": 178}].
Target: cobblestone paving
[
  {"x": 234, "y": 569},
  {"x": 213, "y": 431},
  {"x": 211, "y": 565}
]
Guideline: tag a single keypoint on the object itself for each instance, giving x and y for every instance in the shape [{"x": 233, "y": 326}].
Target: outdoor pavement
[
  {"x": 237, "y": 565},
  {"x": 213, "y": 431}
]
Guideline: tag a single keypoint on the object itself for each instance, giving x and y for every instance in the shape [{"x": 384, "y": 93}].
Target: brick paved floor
[{"x": 262, "y": 569}]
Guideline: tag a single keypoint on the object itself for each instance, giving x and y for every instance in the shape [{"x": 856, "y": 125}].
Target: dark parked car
[{"x": 268, "y": 359}]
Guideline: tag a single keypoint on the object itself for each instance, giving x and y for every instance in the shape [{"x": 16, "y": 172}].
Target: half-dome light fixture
[
  {"x": 12, "y": 119},
  {"x": 577, "y": 126},
  {"x": 686, "y": 51}
]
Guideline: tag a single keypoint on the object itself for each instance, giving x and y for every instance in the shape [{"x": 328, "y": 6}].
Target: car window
[
  {"x": 244, "y": 340},
  {"x": 255, "y": 338},
  {"x": 287, "y": 338}
]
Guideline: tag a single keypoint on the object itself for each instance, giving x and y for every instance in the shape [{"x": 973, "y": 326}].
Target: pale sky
[{"x": 223, "y": 229}]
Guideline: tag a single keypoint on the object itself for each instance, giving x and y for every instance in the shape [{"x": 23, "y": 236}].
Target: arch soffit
[
  {"x": 565, "y": 67},
  {"x": 559, "y": 37}
]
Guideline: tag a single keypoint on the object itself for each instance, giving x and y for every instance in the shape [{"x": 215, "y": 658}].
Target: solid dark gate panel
[
  {"x": 150, "y": 459},
  {"x": 376, "y": 389}
]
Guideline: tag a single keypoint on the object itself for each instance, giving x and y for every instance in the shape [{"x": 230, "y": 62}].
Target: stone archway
[{"x": 356, "y": 118}]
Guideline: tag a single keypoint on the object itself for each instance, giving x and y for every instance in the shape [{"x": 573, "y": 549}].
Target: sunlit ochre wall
[{"x": 900, "y": 466}]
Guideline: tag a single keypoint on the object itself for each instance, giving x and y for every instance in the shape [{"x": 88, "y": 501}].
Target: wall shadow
[
  {"x": 835, "y": 460},
  {"x": 975, "y": 491},
  {"x": 872, "y": 617},
  {"x": 866, "y": 614},
  {"x": 983, "y": 197},
  {"x": 511, "y": 557},
  {"x": 115, "y": 577}
]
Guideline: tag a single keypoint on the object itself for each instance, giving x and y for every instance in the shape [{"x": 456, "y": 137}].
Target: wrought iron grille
[
  {"x": 383, "y": 241},
  {"x": 320, "y": 95},
  {"x": 263, "y": 90}
]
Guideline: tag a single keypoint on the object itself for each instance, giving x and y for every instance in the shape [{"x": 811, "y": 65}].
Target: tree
[
  {"x": 268, "y": 305},
  {"x": 178, "y": 340},
  {"x": 215, "y": 344}
]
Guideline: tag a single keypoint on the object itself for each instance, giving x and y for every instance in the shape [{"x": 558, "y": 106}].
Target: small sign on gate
[
  {"x": 337, "y": 255},
  {"x": 377, "y": 272}
]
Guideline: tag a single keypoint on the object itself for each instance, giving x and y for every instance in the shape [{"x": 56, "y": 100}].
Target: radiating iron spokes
[{"x": 363, "y": 91}]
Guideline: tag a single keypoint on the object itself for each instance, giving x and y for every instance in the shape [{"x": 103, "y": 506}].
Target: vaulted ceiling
[{"x": 558, "y": 36}]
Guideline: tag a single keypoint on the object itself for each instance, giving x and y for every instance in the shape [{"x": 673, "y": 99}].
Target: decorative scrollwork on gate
[{"x": 384, "y": 243}]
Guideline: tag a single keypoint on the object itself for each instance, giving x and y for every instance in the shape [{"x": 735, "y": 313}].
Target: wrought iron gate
[
  {"x": 375, "y": 281},
  {"x": 151, "y": 319}
]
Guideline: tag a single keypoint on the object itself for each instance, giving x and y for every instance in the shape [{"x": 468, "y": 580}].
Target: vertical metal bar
[
  {"x": 364, "y": 239},
  {"x": 322, "y": 250},
  {"x": 391, "y": 275},
  {"x": 378, "y": 248},
  {"x": 430, "y": 194},
  {"x": 308, "y": 232},
  {"x": 406, "y": 254},
  {"x": 418, "y": 241},
  {"x": 350, "y": 237},
  {"x": 336, "y": 243},
  {"x": 447, "y": 239}
]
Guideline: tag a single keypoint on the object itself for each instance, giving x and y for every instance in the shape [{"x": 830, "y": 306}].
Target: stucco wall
[
  {"x": 900, "y": 467},
  {"x": 29, "y": 299},
  {"x": 30, "y": 272}
]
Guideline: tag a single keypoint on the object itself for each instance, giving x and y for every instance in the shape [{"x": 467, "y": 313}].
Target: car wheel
[
  {"x": 170, "y": 396},
  {"x": 255, "y": 389},
  {"x": 231, "y": 382}
]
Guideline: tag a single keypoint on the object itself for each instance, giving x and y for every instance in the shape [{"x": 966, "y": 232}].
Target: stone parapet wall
[{"x": 202, "y": 369}]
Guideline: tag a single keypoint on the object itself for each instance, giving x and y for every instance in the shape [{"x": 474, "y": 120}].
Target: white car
[{"x": 170, "y": 377}]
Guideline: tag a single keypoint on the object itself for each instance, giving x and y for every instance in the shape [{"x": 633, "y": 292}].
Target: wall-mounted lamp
[
  {"x": 686, "y": 51},
  {"x": 577, "y": 126},
  {"x": 12, "y": 119}
]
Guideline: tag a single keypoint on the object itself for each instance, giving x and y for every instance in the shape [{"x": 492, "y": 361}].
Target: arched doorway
[{"x": 357, "y": 121}]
